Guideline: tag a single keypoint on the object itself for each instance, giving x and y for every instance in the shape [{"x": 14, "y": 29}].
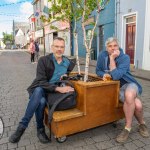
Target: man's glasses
[{"x": 57, "y": 47}]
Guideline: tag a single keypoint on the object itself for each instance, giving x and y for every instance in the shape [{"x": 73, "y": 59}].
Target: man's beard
[{"x": 58, "y": 55}]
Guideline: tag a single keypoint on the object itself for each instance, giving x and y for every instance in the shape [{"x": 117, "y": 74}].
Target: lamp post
[{"x": 44, "y": 40}]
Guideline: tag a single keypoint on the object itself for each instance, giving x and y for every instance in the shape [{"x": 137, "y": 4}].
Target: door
[{"x": 130, "y": 41}]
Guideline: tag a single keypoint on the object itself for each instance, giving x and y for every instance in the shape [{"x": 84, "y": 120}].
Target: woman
[{"x": 32, "y": 50}]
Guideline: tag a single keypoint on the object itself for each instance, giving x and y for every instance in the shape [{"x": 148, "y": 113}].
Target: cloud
[
  {"x": 12, "y": 1},
  {"x": 5, "y": 28},
  {"x": 24, "y": 11},
  {"x": 26, "y": 8}
]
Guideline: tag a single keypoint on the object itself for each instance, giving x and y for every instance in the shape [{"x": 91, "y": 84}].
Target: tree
[
  {"x": 7, "y": 37},
  {"x": 72, "y": 11}
]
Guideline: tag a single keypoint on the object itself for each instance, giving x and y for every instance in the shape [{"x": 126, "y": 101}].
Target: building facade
[
  {"x": 20, "y": 32},
  {"x": 133, "y": 32},
  {"x": 105, "y": 28},
  {"x": 63, "y": 31},
  {"x": 38, "y": 6}
]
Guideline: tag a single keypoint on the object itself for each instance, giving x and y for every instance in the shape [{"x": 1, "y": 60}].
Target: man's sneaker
[
  {"x": 143, "y": 130},
  {"x": 42, "y": 136},
  {"x": 15, "y": 137},
  {"x": 123, "y": 136}
]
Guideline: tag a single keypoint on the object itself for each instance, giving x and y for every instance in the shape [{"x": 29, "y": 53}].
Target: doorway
[{"x": 130, "y": 37}]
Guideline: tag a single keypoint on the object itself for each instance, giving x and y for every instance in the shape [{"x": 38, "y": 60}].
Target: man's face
[
  {"x": 58, "y": 48},
  {"x": 111, "y": 47}
]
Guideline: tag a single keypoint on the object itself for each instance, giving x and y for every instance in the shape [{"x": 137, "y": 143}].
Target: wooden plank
[{"x": 65, "y": 114}]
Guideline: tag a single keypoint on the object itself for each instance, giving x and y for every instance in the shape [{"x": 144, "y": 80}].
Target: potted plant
[{"x": 105, "y": 94}]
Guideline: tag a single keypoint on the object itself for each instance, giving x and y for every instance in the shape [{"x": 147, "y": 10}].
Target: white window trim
[{"x": 123, "y": 33}]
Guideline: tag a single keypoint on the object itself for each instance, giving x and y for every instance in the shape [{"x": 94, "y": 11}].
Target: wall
[
  {"x": 128, "y": 7},
  {"x": 146, "y": 55},
  {"x": 64, "y": 33},
  {"x": 106, "y": 18}
]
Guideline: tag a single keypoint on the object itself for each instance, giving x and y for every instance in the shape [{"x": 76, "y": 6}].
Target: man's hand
[
  {"x": 106, "y": 77},
  {"x": 65, "y": 89},
  {"x": 115, "y": 54},
  {"x": 65, "y": 75},
  {"x": 112, "y": 57}
]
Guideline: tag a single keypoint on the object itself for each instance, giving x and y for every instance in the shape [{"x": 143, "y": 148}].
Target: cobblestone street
[{"x": 16, "y": 74}]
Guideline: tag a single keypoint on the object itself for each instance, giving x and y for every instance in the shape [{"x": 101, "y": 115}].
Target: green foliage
[
  {"x": 7, "y": 37},
  {"x": 53, "y": 27},
  {"x": 73, "y": 9}
]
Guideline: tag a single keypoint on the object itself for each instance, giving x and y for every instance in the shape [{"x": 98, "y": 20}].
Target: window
[
  {"x": 131, "y": 19},
  {"x": 55, "y": 34}
]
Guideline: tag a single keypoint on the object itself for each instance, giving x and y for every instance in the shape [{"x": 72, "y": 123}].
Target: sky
[{"x": 17, "y": 10}]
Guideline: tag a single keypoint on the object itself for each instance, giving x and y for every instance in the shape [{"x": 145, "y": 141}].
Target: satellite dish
[{"x": 1, "y": 127}]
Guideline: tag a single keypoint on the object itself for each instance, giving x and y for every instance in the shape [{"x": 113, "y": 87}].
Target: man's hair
[
  {"x": 110, "y": 40},
  {"x": 59, "y": 38}
]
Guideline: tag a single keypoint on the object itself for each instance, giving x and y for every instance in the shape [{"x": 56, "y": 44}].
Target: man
[
  {"x": 50, "y": 68},
  {"x": 118, "y": 64}
]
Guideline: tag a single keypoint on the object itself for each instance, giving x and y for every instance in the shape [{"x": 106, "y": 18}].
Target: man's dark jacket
[{"x": 45, "y": 70}]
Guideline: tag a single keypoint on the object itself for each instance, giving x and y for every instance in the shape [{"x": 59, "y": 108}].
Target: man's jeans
[{"x": 37, "y": 103}]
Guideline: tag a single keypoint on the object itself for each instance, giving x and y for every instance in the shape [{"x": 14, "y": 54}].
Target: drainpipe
[
  {"x": 137, "y": 64},
  {"x": 44, "y": 40},
  {"x": 116, "y": 17}
]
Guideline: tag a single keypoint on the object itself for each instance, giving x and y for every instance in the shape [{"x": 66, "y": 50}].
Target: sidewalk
[
  {"x": 138, "y": 73},
  {"x": 141, "y": 74},
  {"x": 17, "y": 73}
]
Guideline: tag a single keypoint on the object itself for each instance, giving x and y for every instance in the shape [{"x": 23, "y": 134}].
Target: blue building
[{"x": 105, "y": 28}]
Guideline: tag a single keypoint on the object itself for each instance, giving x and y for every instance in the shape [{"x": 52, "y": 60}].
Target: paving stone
[
  {"x": 118, "y": 148},
  {"x": 90, "y": 147},
  {"x": 23, "y": 142},
  {"x": 75, "y": 143},
  {"x": 16, "y": 74},
  {"x": 40, "y": 146},
  {"x": 100, "y": 138},
  {"x": 138, "y": 143},
  {"x": 30, "y": 147},
  {"x": 104, "y": 145},
  {"x": 89, "y": 140},
  {"x": 145, "y": 140},
  {"x": 147, "y": 147},
  {"x": 21, "y": 148},
  {"x": 49, "y": 148},
  {"x": 3, "y": 147},
  {"x": 130, "y": 146},
  {"x": 12, "y": 145},
  {"x": 4, "y": 140},
  {"x": 66, "y": 147}
]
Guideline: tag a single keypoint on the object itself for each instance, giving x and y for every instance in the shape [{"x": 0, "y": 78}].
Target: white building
[
  {"x": 20, "y": 30},
  {"x": 63, "y": 31},
  {"x": 133, "y": 31}
]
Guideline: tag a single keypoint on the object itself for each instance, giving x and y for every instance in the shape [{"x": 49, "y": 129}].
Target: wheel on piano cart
[{"x": 61, "y": 139}]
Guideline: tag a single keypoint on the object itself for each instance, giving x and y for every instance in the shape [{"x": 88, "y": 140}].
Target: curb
[{"x": 143, "y": 78}]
